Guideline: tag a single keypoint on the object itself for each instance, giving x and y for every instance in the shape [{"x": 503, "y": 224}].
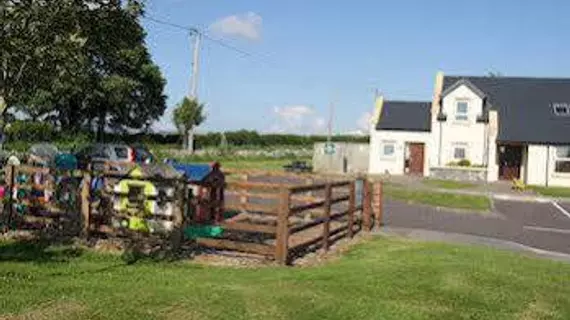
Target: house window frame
[
  {"x": 562, "y": 159},
  {"x": 460, "y": 145},
  {"x": 461, "y": 116},
  {"x": 383, "y": 145}
]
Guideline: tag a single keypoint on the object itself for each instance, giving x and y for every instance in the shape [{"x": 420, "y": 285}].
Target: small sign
[{"x": 330, "y": 148}]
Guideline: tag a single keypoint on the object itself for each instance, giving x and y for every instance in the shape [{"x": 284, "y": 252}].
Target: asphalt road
[{"x": 539, "y": 225}]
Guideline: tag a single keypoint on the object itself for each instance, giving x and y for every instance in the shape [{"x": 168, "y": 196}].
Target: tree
[
  {"x": 67, "y": 63},
  {"x": 35, "y": 37},
  {"x": 187, "y": 116}
]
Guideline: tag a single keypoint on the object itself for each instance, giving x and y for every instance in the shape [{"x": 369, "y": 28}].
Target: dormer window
[
  {"x": 462, "y": 111},
  {"x": 561, "y": 109}
]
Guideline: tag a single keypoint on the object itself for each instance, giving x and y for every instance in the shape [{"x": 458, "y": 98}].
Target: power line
[{"x": 218, "y": 41}]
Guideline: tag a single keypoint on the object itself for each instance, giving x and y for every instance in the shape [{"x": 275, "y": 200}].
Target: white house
[{"x": 499, "y": 128}]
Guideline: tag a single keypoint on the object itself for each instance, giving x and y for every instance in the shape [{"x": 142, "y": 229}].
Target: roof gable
[
  {"x": 468, "y": 84},
  {"x": 405, "y": 116},
  {"x": 524, "y": 106}
]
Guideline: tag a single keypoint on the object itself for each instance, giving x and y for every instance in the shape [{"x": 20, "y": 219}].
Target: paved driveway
[{"x": 538, "y": 225}]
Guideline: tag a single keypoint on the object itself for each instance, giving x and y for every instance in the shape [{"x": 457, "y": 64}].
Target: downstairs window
[{"x": 562, "y": 159}]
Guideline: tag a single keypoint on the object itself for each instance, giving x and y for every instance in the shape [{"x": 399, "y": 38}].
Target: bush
[{"x": 464, "y": 163}]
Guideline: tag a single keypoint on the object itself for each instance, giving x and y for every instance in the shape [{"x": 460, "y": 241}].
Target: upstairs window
[
  {"x": 461, "y": 111},
  {"x": 561, "y": 109}
]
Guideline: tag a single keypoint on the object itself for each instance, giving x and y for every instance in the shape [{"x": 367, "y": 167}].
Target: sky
[{"x": 304, "y": 55}]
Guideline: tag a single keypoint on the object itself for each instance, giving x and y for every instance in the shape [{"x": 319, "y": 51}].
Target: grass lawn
[
  {"x": 386, "y": 278},
  {"x": 557, "y": 192},
  {"x": 440, "y": 199},
  {"x": 448, "y": 184}
]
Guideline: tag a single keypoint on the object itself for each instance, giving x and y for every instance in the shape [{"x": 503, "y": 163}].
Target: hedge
[{"x": 30, "y": 132}]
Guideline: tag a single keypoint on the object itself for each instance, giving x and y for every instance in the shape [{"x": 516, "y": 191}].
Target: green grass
[
  {"x": 448, "y": 184},
  {"x": 557, "y": 192},
  {"x": 439, "y": 199},
  {"x": 387, "y": 278}
]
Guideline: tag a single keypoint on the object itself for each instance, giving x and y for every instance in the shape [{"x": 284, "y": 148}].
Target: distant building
[{"x": 341, "y": 157}]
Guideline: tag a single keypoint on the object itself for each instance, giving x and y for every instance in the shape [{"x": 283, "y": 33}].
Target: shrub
[{"x": 464, "y": 163}]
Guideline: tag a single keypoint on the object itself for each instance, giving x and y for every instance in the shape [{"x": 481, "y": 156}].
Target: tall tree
[
  {"x": 35, "y": 38},
  {"x": 100, "y": 76},
  {"x": 189, "y": 114}
]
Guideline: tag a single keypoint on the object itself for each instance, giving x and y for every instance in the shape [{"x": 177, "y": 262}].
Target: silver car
[{"x": 102, "y": 152}]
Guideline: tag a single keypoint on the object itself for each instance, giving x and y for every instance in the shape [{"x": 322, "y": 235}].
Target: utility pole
[
  {"x": 193, "y": 95},
  {"x": 330, "y": 124},
  {"x": 195, "y": 63}
]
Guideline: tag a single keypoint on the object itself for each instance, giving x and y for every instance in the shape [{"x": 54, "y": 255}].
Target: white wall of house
[
  {"x": 536, "y": 165},
  {"x": 461, "y": 132},
  {"x": 394, "y": 163},
  {"x": 541, "y": 167}
]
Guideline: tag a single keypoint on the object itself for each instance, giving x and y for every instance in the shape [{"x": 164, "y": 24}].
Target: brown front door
[
  {"x": 416, "y": 162},
  {"x": 510, "y": 160}
]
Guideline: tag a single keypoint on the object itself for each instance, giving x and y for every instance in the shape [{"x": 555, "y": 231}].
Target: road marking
[
  {"x": 566, "y": 231},
  {"x": 559, "y": 207}
]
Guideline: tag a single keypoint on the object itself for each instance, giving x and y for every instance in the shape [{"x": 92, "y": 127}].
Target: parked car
[
  {"x": 298, "y": 166},
  {"x": 143, "y": 154},
  {"x": 49, "y": 155},
  {"x": 113, "y": 152},
  {"x": 42, "y": 153}
]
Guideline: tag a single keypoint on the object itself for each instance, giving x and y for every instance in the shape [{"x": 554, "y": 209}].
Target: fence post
[
  {"x": 86, "y": 204},
  {"x": 178, "y": 221},
  {"x": 282, "y": 236},
  {"x": 327, "y": 224},
  {"x": 351, "y": 208},
  {"x": 366, "y": 205},
  {"x": 9, "y": 177},
  {"x": 377, "y": 204}
]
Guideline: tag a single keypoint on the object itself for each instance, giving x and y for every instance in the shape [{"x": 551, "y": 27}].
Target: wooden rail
[{"x": 331, "y": 209}]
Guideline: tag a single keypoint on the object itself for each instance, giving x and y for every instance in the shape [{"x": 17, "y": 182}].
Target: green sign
[{"x": 330, "y": 148}]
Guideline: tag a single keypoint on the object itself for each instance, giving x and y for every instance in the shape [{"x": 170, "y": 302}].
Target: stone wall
[{"x": 459, "y": 173}]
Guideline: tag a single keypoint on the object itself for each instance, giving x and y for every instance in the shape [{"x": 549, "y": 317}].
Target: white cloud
[
  {"x": 246, "y": 26},
  {"x": 299, "y": 119}
]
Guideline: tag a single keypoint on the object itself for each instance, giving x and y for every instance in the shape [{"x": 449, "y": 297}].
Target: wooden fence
[
  {"x": 280, "y": 218},
  {"x": 293, "y": 218}
]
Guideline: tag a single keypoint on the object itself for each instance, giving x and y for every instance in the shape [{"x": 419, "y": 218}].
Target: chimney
[{"x": 437, "y": 90}]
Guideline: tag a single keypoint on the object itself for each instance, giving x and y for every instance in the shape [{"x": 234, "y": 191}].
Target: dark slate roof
[
  {"x": 524, "y": 106},
  {"x": 405, "y": 116}
]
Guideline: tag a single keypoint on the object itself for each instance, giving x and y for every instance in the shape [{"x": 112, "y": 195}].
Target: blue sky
[{"x": 306, "y": 54}]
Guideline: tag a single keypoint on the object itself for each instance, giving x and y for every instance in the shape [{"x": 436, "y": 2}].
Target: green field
[
  {"x": 439, "y": 199},
  {"x": 387, "y": 278}
]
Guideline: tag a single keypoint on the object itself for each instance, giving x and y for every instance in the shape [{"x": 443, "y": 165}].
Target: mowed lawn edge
[
  {"x": 478, "y": 203},
  {"x": 384, "y": 278}
]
